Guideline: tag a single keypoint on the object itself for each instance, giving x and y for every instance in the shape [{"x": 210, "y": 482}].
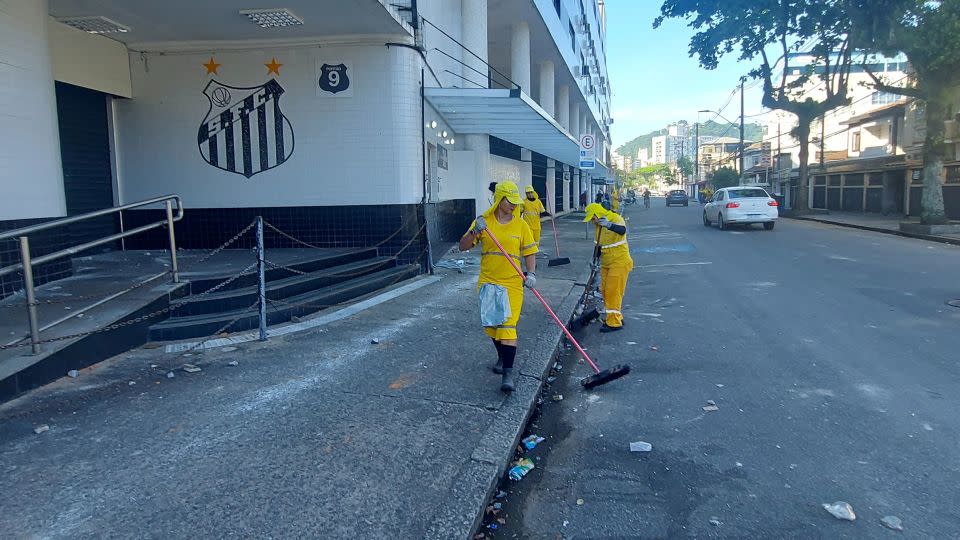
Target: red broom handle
[
  {"x": 544, "y": 302},
  {"x": 555, "y": 239}
]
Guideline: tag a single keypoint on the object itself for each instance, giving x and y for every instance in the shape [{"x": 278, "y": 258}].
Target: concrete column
[
  {"x": 520, "y": 56},
  {"x": 473, "y": 35},
  {"x": 583, "y": 124},
  {"x": 567, "y": 189},
  {"x": 551, "y": 186},
  {"x": 574, "y": 120},
  {"x": 563, "y": 106},
  {"x": 547, "y": 98},
  {"x": 31, "y": 175},
  {"x": 526, "y": 169}
]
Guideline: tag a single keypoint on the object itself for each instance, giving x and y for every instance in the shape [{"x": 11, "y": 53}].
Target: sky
[{"x": 654, "y": 80}]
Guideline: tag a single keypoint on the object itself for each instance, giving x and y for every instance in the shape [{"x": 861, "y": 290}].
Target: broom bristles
[{"x": 605, "y": 376}]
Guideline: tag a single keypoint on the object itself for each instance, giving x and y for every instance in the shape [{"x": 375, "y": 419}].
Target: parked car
[
  {"x": 677, "y": 196},
  {"x": 741, "y": 206}
]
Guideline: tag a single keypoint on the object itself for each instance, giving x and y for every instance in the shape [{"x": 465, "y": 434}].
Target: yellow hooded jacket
[
  {"x": 533, "y": 209},
  {"x": 515, "y": 237},
  {"x": 614, "y": 249}
]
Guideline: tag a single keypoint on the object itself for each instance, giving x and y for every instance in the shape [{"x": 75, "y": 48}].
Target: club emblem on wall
[
  {"x": 244, "y": 131},
  {"x": 334, "y": 78}
]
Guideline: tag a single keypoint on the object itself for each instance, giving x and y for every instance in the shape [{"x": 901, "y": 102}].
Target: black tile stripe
[
  {"x": 262, "y": 130},
  {"x": 245, "y": 134},
  {"x": 226, "y": 121},
  {"x": 278, "y": 130}
]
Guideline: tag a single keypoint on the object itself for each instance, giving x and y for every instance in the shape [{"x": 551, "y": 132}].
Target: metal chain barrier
[
  {"x": 120, "y": 292},
  {"x": 139, "y": 319},
  {"x": 225, "y": 245},
  {"x": 307, "y": 244}
]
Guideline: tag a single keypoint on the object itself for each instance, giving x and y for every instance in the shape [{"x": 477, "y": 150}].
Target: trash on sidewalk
[
  {"x": 41, "y": 428},
  {"x": 190, "y": 368},
  {"x": 579, "y": 502},
  {"x": 520, "y": 469},
  {"x": 711, "y": 406},
  {"x": 532, "y": 441},
  {"x": 233, "y": 363},
  {"x": 73, "y": 374},
  {"x": 500, "y": 495},
  {"x": 892, "y": 522},
  {"x": 715, "y": 521},
  {"x": 558, "y": 397},
  {"x": 654, "y": 348},
  {"x": 228, "y": 349},
  {"x": 374, "y": 341},
  {"x": 170, "y": 375},
  {"x": 841, "y": 510},
  {"x": 640, "y": 446}
]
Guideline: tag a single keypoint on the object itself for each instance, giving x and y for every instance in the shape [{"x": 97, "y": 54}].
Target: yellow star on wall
[
  {"x": 212, "y": 66},
  {"x": 273, "y": 67}
]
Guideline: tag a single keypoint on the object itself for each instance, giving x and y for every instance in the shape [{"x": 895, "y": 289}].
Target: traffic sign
[{"x": 588, "y": 164}]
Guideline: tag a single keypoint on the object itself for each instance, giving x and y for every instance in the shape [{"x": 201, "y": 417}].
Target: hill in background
[{"x": 752, "y": 132}]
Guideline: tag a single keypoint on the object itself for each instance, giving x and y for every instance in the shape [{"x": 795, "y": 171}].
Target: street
[{"x": 830, "y": 354}]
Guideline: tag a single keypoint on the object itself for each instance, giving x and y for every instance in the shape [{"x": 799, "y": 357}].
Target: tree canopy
[{"x": 725, "y": 177}]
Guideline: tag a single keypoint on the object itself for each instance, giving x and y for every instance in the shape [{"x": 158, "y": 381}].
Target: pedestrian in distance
[
  {"x": 583, "y": 200},
  {"x": 499, "y": 285},
  {"x": 532, "y": 210},
  {"x": 615, "y": 263}
]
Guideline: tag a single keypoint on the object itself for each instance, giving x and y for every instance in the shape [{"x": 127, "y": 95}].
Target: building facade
[{"x": 340, "y": 122}]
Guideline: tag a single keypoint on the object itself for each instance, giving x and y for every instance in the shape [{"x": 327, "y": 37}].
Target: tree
[
  {"x": 725, "y": 177},
  {"x": 757, "y": 27},
  {"x": 928, "y": 33},
  {"x": 685, "y": 167}
]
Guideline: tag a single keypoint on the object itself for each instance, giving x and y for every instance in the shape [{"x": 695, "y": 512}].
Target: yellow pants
[
  {"x": 536, "y": 233},
  {"x": 508, "y": 330},
  {"x": 613, "y": 283}
]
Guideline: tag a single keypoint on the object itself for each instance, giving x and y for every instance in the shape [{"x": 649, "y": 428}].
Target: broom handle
[
  {"x": 555, "y": 239},
  {"x": 544, "y": 302}
]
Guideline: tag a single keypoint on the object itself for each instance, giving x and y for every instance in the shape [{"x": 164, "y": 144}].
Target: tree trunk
[
  {"x": 802, "y": 201},
  {"x": 934, "y": 151}
]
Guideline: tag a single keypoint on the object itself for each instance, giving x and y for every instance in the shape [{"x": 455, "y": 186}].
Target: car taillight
[
  {"x": 733, "y": 205},
  {"x": 773, "y": 203}
]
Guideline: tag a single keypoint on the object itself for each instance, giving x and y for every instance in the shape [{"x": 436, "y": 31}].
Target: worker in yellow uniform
[
  {"x": 615, "y": 262},
  {"x": 532, "y": 208},
  {"x": 615, "y": 200},
  {"x": 500, "y": 286}
]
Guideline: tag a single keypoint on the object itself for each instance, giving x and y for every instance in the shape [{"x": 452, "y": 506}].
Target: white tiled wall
[{"x": 356, "y": 150}]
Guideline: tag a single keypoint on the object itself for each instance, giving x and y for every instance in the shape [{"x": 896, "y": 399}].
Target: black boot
[
  {"x": 498, "y": 367},
  {"x": 507, "y": 383}
]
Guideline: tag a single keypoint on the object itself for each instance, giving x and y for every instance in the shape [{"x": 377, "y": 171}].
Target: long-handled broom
[
  {"x": 559, "y": 261},
  {"x": 599, "y": 377},
  {"x": 591, "y": 314}
]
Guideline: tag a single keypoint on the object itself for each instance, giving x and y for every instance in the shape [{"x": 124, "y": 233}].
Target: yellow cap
[
  {"x": 530, "y": 189},
  {"x": 595, "y": 210},
  {"x": 509, "y": 191}
]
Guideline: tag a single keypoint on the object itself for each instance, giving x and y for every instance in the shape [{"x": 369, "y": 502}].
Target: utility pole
[
  {"x": 741, "y": 128},
  {"x": 696, "y": 157},
  {"x": 823, "y": 134}
]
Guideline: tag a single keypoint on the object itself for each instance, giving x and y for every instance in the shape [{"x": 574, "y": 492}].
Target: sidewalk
[
  {"x": 877, "y": 223},
  {"x": 321, "y": 433}
]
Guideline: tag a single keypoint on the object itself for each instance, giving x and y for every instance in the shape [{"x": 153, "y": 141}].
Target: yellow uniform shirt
[
  {"x": 517, "y": 239},
  {"x": 614, "y": 249},
  {"x": 531, "y": 213}
]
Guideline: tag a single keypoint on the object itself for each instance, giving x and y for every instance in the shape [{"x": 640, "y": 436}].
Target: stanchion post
[
  {"x": 261, "y": 280},
  {"x": 30, "y": 293}
]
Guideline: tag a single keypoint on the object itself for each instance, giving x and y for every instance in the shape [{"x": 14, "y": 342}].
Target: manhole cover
[{"x": 954, "y": 303}]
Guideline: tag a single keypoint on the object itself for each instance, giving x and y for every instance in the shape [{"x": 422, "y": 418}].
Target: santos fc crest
[{"x": 245, "y": 132}]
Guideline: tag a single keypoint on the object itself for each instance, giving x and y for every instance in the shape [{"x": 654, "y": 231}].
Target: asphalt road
[{"x": 831, "y": 356}]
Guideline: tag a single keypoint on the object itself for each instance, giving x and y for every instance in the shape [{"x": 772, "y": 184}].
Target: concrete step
[
  {"x": 279, "y": 289},
  {"x": 205, "y": 325},
  {"x": 323, "y": 260}
]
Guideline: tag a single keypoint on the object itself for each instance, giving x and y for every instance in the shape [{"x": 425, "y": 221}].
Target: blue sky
[{"x": 653, "y": 78}]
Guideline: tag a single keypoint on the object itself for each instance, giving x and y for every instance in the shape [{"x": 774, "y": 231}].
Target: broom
[
  {"x": 593, "y": 314},
  {"x": 599, "y": 377},
  {"x": 559, "y": 261}
]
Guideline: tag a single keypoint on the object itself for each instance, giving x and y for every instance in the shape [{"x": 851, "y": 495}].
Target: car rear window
[
  {"x": 748, "y": 193},
  {"x": 678, "y": 192}
]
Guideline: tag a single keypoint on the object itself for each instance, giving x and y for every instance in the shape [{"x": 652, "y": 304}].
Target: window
[
  {"x": 752, "y": 193},
  {"x": 884, "y": 98},
  {"x": 573, "y": 37},
  {"x": 855, "y": 142},
  {"x": 556, "y": 6}
]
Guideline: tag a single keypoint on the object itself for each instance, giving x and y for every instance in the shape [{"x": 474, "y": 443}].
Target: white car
[{"x": 741, "y": 206}]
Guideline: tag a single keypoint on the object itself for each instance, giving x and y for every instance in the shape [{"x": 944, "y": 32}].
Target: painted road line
[
  {"x": 673, "y": 264},
  {"x": 306, "y": 325}
]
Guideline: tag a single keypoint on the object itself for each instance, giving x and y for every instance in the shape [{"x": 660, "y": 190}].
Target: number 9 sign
[{"x": 333, "y": 79}]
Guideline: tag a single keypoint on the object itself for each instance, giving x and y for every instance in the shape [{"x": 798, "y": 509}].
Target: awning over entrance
[{"x": 510, "y": 115}]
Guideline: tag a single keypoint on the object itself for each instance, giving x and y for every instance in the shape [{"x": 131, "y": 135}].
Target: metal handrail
[
  {"x": 28, "y": 262},
  {"x": 24, "y": 231}
]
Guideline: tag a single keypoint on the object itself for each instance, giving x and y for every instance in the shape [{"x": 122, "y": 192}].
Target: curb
[
  {"x": 894, "y": 232},
  {"x": 462, "y": 514}
]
